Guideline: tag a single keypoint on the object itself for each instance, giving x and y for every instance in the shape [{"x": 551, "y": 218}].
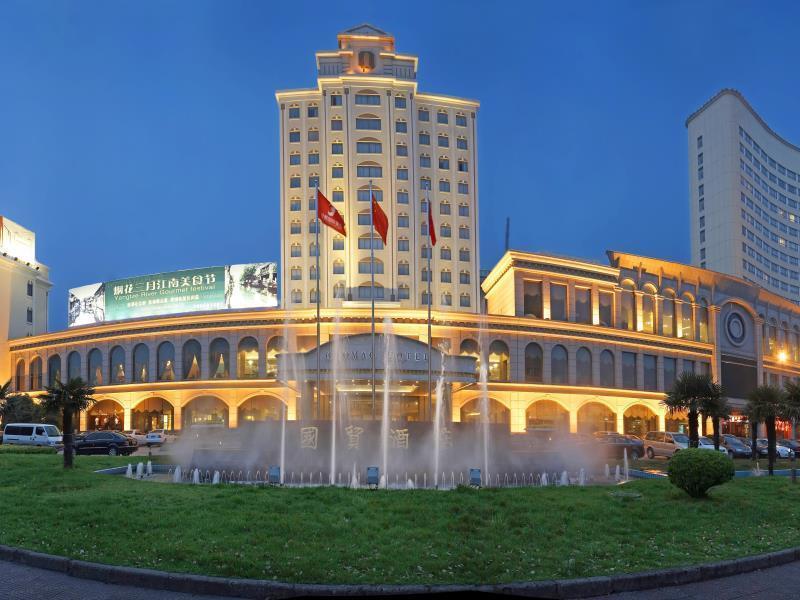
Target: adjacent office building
[{"x": 744, "y": 191}]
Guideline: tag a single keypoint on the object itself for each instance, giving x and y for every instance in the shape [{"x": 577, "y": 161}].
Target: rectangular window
[
  {"x": 606, "y": 308},
  {"x": 402, "y": 245},
  {"x": 463, "y": 210},
  {"x": 700, "y": 160},
  {"x": 313, "y": 135},
  {"x": 294, "y": 112},
  {"x": 424, "y": 161},
  {"x": 532, "y": 299},
  {"x": 441, "y": 118},
  {"x": 423, "y": 115},
  {"x": 444, "y": 253},
  {"x": 444, "y": 162},
  {"x": 399, "y": 102},
  {"x": 700, "y": 173},
  {"x": 443, "y": 141},
  {"x": 30, "y": 289},
  {"x": 464, "y": 301},
  {"x": 369, "y": 171},
  {"x": 461, "y": 143},
  {"x": 337, "y": 148},
  {"x": 446, "y": 277},
  {"x": 699, "y": 142},
  {"x": 30, "y": 315},
  {"x": 294, "y": 205},
  {"x": 629, "y": 370},
  {"x": 401, "y": 127},
  {"x": 363, "y": 218},
  {"x": 650, "y": 372},
  {"x": 338, "y": 243},
  {"x": 368, "y": 99},
  {"x": 402, "y": 174},
  {"x": 424, "y": 139},
  {"x": 368, "y": 147},
  {"x": 670, "y": 373},
  {"x": 702, "y": 222},
  {"x": 688, "y": 366},
  {"x": 425, "y": 251},
  {"x": 313, "y": 158},
  {"x": 296, "y": 251},
  {"x": 403, "y": 293},
  {"x": 294, "y": 136},
  {"x": 463, "y": 255},
  {"x": 402, "y": 268},
  {"x": 294, "y": 159},
  {"x": 295, "y": 182},
  {"x": 444, "y": 208},
  {"x": 296, "y": 274},
  {"x": 463, "y": 277},
  {"x": 362, "y": 195},
  {"x": 402, "y": 220},
  {"x": 368, "y": 124},
  {"x": 583, "y": 305},
  {"x": 402, "y": 197},
  {"x": 313, "y": 111},
  {"x": 363, "y": 243},
  {"x": 337, "y": 172},
  {"x": 703, "y": 236},
  {"x": 336, "y": 99},
  {"x": 294, "y": 228},
  {"x": 461, "y": 120},
  {"x": 444, "y": 185},
  {"x": 701, "y": 190},
  {"x": 463, "y": 166},
  {"x": 338, "y": 196},
  {"x": 313, "y": 181},
  {"x": 337, "y": 125},
  {"x": 463, "y": 233},
  {"x": 401, "y": 150},
  {"x": 558, "y": 302},
  {"x": 702, "y": 204}
]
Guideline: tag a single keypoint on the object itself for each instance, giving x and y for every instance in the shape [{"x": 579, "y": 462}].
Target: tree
[
  {"x": 714, "y": 405},
  {"x": 687, "y": 395},
  {"x": 69, "y": 399},
  {"x": 791, "y": 408},
  {"x": 19, "y": 408},
  {"x": 766, "y": 404}
]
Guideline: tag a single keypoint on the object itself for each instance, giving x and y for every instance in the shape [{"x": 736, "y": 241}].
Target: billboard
[{"x": 253, "y": 285}]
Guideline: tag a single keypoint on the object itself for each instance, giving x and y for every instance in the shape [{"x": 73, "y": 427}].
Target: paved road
[
  {"x": 20, "y": 582},
  {"x": 777, "y": 583}
]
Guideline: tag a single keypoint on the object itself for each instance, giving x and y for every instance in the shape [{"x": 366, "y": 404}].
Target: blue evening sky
[{"x": 142, "y": 136}]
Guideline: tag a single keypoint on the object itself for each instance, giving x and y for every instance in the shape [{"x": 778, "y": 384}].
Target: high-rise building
[
  {"x": 24, "y": 289},
  {"x": 366, "y": 124},
  {"x": 744, "y": 190}
]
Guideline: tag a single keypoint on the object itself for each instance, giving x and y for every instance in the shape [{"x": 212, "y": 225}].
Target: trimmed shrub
[{"x": 696, "y": 471}]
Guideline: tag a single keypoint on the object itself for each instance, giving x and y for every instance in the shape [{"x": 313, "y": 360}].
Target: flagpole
[
  {"x": 430, "y": 300},
  {"x": 372, "y": 291},
  {"x": 319, "y": 390}
]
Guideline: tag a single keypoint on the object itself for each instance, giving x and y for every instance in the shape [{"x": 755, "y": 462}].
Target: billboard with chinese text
[{"x": 253, "y": 285}]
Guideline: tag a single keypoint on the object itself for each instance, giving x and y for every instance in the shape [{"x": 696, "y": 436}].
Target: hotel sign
[{"x": 252, "y": 285}]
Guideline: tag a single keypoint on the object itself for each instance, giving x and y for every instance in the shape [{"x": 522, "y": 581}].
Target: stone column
[
  {"x": 233, "y": 416},
  {"x": 662, "y": 421},
  {"x": 547, "y": 350},
  {"x": 571, "y": 301},
  {"x": 573, "y": 421},
  {"x": 178, "y": 366},
  {"x": 639, "y": 371},
  {"x": 204, "y": 356},
  {"x": 152, "y": 370},
  {"x": 637, "y": 307},
  {"x": 620, "y": 421},
  {"x": 517, "y": 417},
  {"x": 758, "y": 326},
  {"x": 177, "y": 418},
  {"x": 546, "y": 299},
  {"x": 126, "y": 419},
  {"x": 660, "y": 373},
  {"x": 716, "y": 358},
  {"x": 595, "y": 305},
  {"x": 83, "y": 420}
]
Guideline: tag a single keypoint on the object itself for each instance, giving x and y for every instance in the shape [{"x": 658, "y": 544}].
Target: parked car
[
  {"x": 780, "y": 451},
  {"x": 614, "y": 446},
  {"x": 169, "y": 436},
  {"x": 793, "y": 445},
  {"x": 707, "y": 443},
  {"x": 32, "y": 434},
  {"x": 105, "y": 442},
  {"x": 735, "y": 447},
  {"x": 139, "y": 435},
  {"x": 155, "y": 438},
  {"x": 664, "y": 443}
]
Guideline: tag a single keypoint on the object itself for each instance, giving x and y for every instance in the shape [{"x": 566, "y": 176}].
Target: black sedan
[
  {"x": 104, "y": 442},
  {"x": 614, "y": 446},
  {"x": 736, "y": 448}
]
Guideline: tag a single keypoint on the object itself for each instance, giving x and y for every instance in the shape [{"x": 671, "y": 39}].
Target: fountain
[
  {"x": 177, "y": 475},
  {"x": 483, "y": 381},
  {"x": 149, "y": 469},
  {"x": 196, "y": 476},
  {"x": 582, "y": 477},
  {"x": 139, "y": 470},
  {"x": 625, "y": 464},
  {"x": 617, "y": 475},
  {"x": 129, "y": 471},
  {"x": 386, "y": 413},
  {"x": 336, "y": 351},
  {"x": 215, "y": 479},
  {"x": 437, "y": 422}
]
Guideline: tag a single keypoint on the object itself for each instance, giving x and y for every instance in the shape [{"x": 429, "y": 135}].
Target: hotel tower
[
  {"x": 366, "y": 122},
  {"x": 744, "y": 190}
]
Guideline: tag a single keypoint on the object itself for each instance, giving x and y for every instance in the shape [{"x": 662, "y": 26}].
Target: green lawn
[{"x": 346, "y": 536}]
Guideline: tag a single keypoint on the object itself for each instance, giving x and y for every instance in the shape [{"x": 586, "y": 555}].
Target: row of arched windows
[{"x": 138, "y": 369}]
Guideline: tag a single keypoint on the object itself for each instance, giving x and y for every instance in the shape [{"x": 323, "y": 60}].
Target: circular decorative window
[{"x": 735, "y": 329}]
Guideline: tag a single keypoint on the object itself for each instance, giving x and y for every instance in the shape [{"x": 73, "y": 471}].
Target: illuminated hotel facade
[{"x": 569, "y": 345}]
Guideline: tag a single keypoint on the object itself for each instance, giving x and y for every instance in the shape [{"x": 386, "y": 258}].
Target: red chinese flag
[
  {"x": 328, "y": 214},
  {"x": 379, "y": 220},
  {"x": 431, "y": 228}
]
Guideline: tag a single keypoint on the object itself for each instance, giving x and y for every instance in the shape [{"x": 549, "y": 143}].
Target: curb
[{"x": 260, "y": 588}]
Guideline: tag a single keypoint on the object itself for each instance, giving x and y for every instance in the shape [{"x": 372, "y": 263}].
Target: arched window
[
  {"x": 73, "y": 365},
  {"x": 365, "y": 266},
  {"x": 687, "y": 321},
  {"x": 648, "y": 309},
  {"x": 607, "y": 371},
  {"x": 219, "y": 359},
  {"x": 668, "y": 314},
  {"x": 35, "y": 374},
  {"x": 191, "y": 360},
  {"x": 366, "y": 61},
  {"x": 338, "y": 267},
  {"x": 772, "y": 337},
  {"x": 275, "y": 346},
  {"x": 365, "y": 291},
  {"x": 247, "y": 359},
  {"x": 53, "y": 370},
  {"x": 702, "y": 321},
  {"x": 19, "y": 376},
  {"x": 141, "y": 364},
  {"x": 559, "y": 365},
  {"x": 498, "y": 361},
  {"x": 534, "y": 363},
  {"x": 165, "y": 362},
  {"x": 470, "y": 348},
  {"x": 594, "y": 416},
  {"x": 627, "y": 309},
  {"x": 95, "y": 360},
  {"x": 116, "y": 365},
  {"x": 338, "y": 290},
  {"x": 583, "y": 367}
]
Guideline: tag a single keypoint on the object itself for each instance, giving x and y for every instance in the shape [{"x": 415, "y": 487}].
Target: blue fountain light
[
  {"x": 373, "y": 477},
  {"x": 274, "y": 476}
]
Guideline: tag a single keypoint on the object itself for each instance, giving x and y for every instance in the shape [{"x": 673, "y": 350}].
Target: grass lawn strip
[{"x": 324, "y": 535}]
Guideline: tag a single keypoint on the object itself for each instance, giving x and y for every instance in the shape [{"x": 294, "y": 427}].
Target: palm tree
[
  {"x": 5, "y": 391},
  {"x": 713, "y": 404},
  {"x": 68, "y": 398},
  {"x": 686, "y": 395},
  {"x": 766, "y": 404},
  {"x": 791, "y": 409}
]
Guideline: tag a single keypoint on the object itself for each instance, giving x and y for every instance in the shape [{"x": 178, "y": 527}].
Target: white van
[{"x": 32, "y": 434}]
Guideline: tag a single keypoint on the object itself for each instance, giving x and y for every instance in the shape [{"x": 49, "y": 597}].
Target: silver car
[{"x": 664, "y": 443}]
